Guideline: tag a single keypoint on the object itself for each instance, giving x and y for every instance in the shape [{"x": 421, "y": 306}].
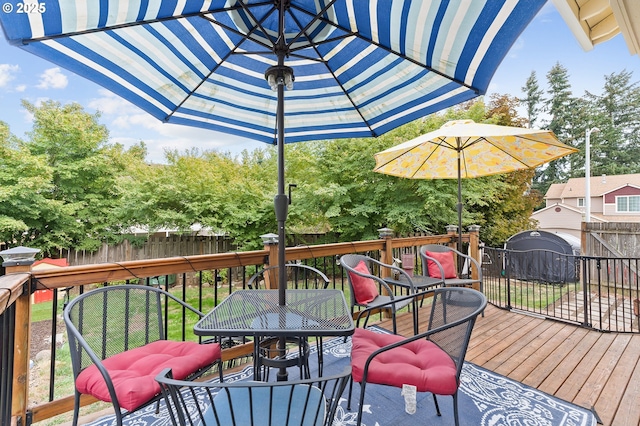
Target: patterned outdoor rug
[{"x": 485, "y": 399}]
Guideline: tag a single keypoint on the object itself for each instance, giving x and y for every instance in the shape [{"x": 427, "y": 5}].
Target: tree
[
  {"x": 347, "y": 197},
  {"x": 533, "y": 99},
  {"x": 74, "y": 176},
  {"x": 616, "y": 148},
  {"x": 24, "y": 183},
  {"x": 561, "y": 107}
]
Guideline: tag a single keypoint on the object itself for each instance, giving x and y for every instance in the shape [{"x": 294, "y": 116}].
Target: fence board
[{"x": 156, "y": 246}]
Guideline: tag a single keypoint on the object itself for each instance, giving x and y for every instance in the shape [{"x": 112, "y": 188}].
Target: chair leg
[
  {"x": 350, "y": 390},
  {"x": 361, "y": 406},
  {"x": 320, "y": 355},
  {"x": 435, "y": 401},
  {"x": 76, "y": 407},
  {"x": 455, "y": 408}
]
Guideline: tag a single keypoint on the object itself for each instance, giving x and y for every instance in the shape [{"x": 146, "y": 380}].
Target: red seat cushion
[
  {"x": 420, "y": 363},
  {"x": 133, "y": 372},
  {"x": 446, "y": 261},
  {"x": 365, "y": 289}
]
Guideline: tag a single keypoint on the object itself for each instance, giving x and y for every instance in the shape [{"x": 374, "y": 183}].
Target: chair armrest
[
  {"x": 375, "y": 278},
  {"x": 294, "y": 265},
  {"x": 395, "y": 268},
  {"x": 476, "y": 264},
  {"x": 414, "y": 297}
]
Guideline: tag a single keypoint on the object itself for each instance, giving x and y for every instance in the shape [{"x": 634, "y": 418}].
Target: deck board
[{"x": 586, "y": 367}]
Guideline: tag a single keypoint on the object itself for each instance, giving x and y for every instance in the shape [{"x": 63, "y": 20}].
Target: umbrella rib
[
  {"x": 121, "y": 26},
  {"x": 517, "y": 159},
  {"x": 418, "y": 63},
  {"x": 335, "y": 78},
  {"x": 258, "y": 23},
  {"x": 315, "y": 18}
]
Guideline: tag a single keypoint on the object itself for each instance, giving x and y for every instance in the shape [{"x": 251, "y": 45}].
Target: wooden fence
[
  {"x": 155, "y": 247},
  {"x": 615, "y": 239}
]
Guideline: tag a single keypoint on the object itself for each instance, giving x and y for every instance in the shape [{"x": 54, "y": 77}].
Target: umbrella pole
[
  {"x": 459, "y": 202},
  {"x": 281, "y": 201}
]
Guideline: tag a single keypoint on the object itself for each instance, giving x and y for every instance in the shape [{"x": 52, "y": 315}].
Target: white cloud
[
  {"x": 53, "y": 78},
  {"x": 128, "y": 125},
  {"x": 7, "y": 73}
]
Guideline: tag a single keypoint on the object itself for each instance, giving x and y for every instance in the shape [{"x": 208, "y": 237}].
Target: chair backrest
[
  {"x": 453, "y": 314},
  {"x": 110, "y": 320},
  {"x": 302, "y": 402},
  {"x": 299, "y": 276},
  {"x": 434, "y": 248},
  {"x": 349, "y": 262}
]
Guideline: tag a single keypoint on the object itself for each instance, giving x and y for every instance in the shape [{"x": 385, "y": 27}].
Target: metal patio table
[
  {"x": 257, "y": 313},
  {"x": 419, "y": 282}
]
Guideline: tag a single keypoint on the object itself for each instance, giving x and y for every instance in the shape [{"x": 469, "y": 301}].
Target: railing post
[
  {"x": 474, "y": 251},
  {"x": 585, "y": 278},
  {"x": 270, "y": 242},
  {"x": 507, "y": 269},
  {"x": 20, "y": 260},
  {"x": 452, "y": 231},
  {"x": 386, "y": 254}
]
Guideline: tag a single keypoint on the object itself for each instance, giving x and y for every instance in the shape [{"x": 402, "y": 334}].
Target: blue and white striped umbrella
[{"x": 361, "y": 67}]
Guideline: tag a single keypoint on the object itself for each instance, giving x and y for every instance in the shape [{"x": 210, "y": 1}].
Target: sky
[{"x": 546, "y": 41}]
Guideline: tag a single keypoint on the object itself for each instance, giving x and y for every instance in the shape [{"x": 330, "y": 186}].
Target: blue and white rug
[{"x": 484, "y": 399}]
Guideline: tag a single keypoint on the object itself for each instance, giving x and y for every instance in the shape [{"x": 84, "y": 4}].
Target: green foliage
[
  {"x": 533, "y": 99},
  {"x": 59, "y": 187},
  {"x": 66, "y": 186}
]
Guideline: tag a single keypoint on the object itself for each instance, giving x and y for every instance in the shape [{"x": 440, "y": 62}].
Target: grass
[{"x": 531, "y": 296}]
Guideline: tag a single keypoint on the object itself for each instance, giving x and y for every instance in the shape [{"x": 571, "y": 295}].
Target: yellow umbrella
[{"x": 464, "y": 149}]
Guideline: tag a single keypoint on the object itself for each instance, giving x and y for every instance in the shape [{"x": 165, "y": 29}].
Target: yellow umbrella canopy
[
  {"x": 483, "y": 149},
  {"x": 464, "y": 149}
]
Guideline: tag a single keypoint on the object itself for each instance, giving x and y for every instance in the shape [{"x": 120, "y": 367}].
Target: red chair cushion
[
  {"x": 133, "y": 372},
  {"x": 365, "y": 289},
  {"x": 420, "y": 363},
  {"x": 446, "y": 260}
]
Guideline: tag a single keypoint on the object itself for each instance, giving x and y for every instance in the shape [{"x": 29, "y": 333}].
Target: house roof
[
  {"x": 596, "y": 21},
  {"x": 48, "y": 262},
  {"x": 599, "y": 185}
]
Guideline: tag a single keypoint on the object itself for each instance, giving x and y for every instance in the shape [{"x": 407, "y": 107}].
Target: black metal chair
[
  {"x": 117, "y": 341},
  {"x": 302, "y": 402},
  {"x": 299, "y": 276},
  {"x": 392, "y": 360},
  {"x": 435, "y": 254},
  {"x": 359, "y": 275}
]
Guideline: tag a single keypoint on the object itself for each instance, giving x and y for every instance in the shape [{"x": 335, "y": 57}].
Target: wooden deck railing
[{"x": 20, "y": 282}]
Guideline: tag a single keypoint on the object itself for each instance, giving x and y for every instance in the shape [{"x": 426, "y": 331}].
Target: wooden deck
[{"x": 588, "y": 368}]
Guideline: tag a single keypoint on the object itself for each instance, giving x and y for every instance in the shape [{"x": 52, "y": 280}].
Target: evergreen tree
[
  {"x": 561, "y": 106},
  {"x": 616, "y": 148},
  {"x": 533, "y": 99}
]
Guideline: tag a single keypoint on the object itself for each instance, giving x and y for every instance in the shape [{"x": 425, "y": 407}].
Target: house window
[
  {"x": 626, "y": 204},
  {"x": 581, "y": 202}
]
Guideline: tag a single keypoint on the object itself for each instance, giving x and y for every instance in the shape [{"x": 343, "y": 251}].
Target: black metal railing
[
  {"x": 7, "y": 326},
  {"x": 595, "y": 292}
]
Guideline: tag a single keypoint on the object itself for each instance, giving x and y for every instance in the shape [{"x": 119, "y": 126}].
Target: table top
[
  {"x": 420, "y": 282},
  {"x": 321, "y": 312}
]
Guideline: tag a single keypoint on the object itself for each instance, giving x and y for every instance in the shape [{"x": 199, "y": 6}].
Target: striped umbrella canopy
[
  {"x": 353, "y": 68},
  {"x": 464, "y": 149}
]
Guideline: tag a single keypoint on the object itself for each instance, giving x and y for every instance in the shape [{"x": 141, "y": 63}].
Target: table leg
[{"x": 283, "y": 375}]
